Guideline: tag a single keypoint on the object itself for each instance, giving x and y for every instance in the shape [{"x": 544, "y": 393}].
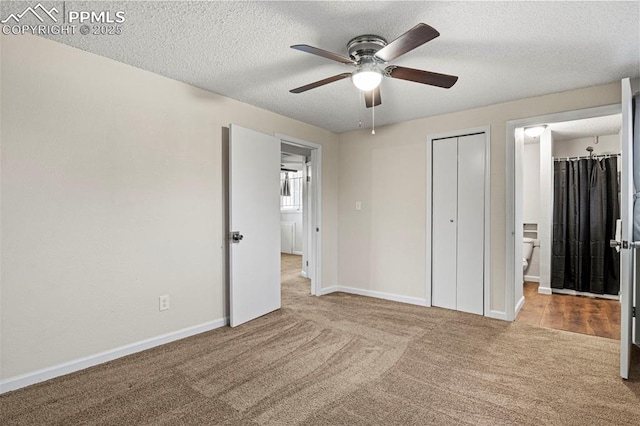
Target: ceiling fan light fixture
[
  {"x": 368, "y": 76},
  {"x": 367, "y": 80}
]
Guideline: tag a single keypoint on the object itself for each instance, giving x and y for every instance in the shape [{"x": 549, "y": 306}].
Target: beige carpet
[{"x": 348, "y": 360}]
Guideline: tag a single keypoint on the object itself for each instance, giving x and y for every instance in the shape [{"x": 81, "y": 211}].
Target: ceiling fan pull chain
[
  {"x": 360, "y": 93},
  {"x": 373, "y": 112}
]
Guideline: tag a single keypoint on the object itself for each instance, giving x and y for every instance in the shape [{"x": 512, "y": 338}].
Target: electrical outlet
[{"x": 164, "y": 302}]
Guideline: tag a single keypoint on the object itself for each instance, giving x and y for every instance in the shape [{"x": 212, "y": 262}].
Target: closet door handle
[{"x": 451, "y": 220}]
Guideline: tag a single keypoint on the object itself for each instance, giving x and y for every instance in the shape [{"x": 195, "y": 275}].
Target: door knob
[{"x": 236, "y": 237}]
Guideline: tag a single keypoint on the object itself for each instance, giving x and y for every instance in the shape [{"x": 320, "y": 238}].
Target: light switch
[{"x": 358, "y": 205}]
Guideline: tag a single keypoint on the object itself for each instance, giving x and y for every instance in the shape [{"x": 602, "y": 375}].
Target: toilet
[{"x": 527, "y": 251}]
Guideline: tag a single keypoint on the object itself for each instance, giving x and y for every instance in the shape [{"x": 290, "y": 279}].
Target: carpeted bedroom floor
[{"x": 347, "y": 360}]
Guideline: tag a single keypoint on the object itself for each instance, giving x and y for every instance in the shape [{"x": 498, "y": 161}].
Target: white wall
[
  {"x": 607, "y": 144},
  {"x": 382, "y": 247},
  {"x": 112, "y": 196},
  {"x": 531, "y": 193}
]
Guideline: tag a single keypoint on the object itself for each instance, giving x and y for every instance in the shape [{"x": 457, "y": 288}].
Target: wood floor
[{"x": 578, "y": 314}]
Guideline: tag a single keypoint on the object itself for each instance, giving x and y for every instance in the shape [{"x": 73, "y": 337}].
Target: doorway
[
  {"x": 300, "y": 211},
  {"x": 567, "y": 191},
  {"x": 252, "y": 259},
  {"x": 585, "y": 136}
]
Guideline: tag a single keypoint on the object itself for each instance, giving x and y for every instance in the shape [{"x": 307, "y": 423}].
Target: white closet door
[
  {"x": 470, "y": 237},
  {"x": 444, "y": 207}
]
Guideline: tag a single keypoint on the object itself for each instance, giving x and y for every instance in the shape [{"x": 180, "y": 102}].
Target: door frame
[
  {"x": 514, "y": 165},
  {"x": 316, "y": 207},
  {"x": 487, "y": 213}
]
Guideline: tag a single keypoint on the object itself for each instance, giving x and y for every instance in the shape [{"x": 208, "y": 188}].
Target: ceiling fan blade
[
  {"x": 420, "y": 76},
  {"x": 324, "y": 53},
  {"x": 416, "y": 36},
  {"x": 372, "y": 97},
  {"x": 320, "y": 83}
]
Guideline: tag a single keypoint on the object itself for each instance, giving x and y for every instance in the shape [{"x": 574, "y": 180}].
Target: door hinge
[
  {"x": 317, "y": 229},
  {"x": 308, "y": 178},
  {"x": 633, "y": 312},
  {"x": 307, "y": 263}
]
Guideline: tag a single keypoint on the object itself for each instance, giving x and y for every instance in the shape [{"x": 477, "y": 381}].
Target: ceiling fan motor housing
[{"x": 365, "y": 46}]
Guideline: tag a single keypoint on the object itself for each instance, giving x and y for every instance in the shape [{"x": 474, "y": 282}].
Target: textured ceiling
[
  {"x": 500, "y": 50},
  {"x": 598, "y": 126}
]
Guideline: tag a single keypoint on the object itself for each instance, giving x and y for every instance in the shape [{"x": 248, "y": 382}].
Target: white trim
[
  {"x": 487, "y": 214},
  {"x": 304, "y": 274},
  {"x": 316, "y": 203},
  {"x": 544, "y": 290},
  {"x": 497, "y": 315},
  {"x": 519, "y": 305},
  {"x": 328, "y": 290},
  {"x": 17, "y": 382},
  {"x": 317, "y": 209},
  {"x": 584, "y": 293},
  {"x": 532, "y": 278},
  {"x": 297, "y": 253},
  {"x": 487, "y": 220},
  {"x": 377, "y": 294},
  {"x": 428, "y": 219},
  {"x": 511, "y": 263},
  {"x": 290, "y": 140}
]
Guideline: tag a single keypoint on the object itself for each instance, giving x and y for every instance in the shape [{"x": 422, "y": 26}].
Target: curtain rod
[{"x": 585, "y": 157}]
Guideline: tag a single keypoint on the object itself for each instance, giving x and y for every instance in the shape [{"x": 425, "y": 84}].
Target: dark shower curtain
[{"x": 585, "y": 209}]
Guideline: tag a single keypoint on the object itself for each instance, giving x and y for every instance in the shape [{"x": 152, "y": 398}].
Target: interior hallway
[
  {"x": 578, "y": 314},
  {"x": 293, "y": 283}
]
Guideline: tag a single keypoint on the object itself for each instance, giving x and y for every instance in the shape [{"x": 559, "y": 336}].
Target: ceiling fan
[{"x": 368, "y": 53}]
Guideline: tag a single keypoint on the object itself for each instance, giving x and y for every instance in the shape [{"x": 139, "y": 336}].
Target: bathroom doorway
[{"x": 561, "y": 280}]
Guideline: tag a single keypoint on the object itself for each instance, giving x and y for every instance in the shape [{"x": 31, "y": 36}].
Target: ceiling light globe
[{"x": 367, "y": 80}]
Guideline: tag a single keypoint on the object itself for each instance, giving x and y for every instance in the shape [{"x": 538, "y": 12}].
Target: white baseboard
[
  {"x": 396, "y": 298},
  {"x": 297, "y": 253},
  {"x": 376, "y": 294},
  {"x": 497, "y": 315},
  {"x": 519, "y": 306},
  {"x": 532, "y": 278},
  {"x": 328, "y": 290},
  {"x": 17, "y": 382},
  {"x": 544, "y": 290}
]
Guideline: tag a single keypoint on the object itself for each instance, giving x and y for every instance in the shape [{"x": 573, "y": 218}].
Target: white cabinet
[{"x": 458, "y": 223}]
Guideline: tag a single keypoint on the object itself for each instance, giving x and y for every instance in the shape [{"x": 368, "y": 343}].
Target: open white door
[
  {"x": 636, "y": 212},
  {"x": 627, "y": 252},
  {"x": 254, "y": 223}
]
